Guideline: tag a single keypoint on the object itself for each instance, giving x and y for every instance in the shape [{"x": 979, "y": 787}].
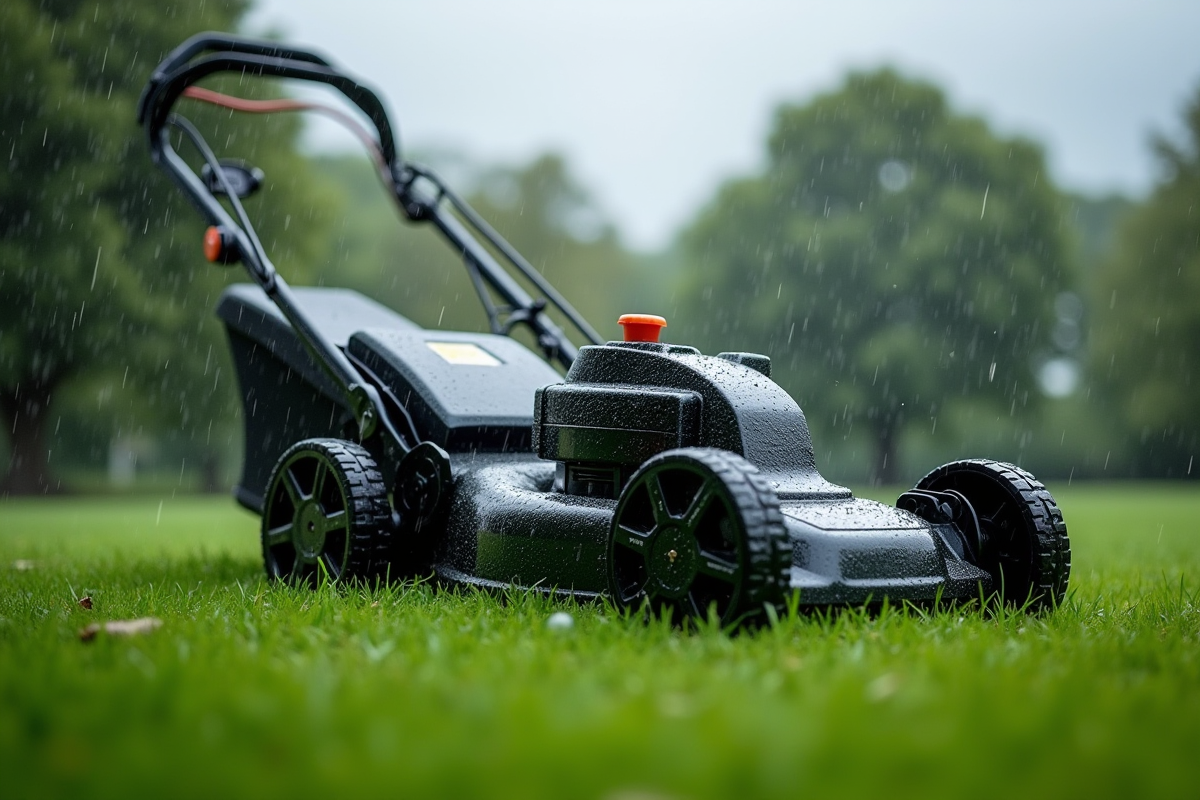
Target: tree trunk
[
  {"x": 23, "y": 412},
  {"x": 210, "y": 474},
  {"x": 886, "y": 457}
]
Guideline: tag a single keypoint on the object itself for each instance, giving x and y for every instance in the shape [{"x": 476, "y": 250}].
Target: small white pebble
[{"x": 560, "y": 621}]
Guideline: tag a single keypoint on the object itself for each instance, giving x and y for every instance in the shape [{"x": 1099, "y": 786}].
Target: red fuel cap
[{"x": 642, "y": 327}]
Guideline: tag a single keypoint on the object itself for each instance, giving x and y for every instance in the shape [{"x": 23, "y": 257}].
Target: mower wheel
[
  {"x": 326, "y": 513},
  {"x": 1023, "y": 538},
  {"x": 699, "y": 531}
]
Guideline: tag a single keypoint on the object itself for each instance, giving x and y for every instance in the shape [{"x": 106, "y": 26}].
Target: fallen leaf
[
  {"x": 883, "y": 687},
  {"x": 120, "y": 627},
  {"x": 22, "y": 565},
  {"x": 132, "y": 627},
  {"x": 85, "y": 602}
]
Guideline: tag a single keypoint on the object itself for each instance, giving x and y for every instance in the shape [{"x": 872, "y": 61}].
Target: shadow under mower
[{"x": 375, "y": 448}]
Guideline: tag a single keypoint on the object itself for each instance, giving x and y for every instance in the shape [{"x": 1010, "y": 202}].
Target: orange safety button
[
  {"x": 213, "y": 244},
  {"x": 642, "y": 327}
]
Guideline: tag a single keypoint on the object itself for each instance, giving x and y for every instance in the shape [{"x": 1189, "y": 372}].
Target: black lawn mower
[{"x": 650, "y": 472}]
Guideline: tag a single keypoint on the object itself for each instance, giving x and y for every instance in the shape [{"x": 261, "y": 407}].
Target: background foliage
[
  {"x": 914, "y": 321},
  {"x": 1146, "y": 318},
  {"x": 107, "y": 332},
  {"x": 893, "y": 257}
]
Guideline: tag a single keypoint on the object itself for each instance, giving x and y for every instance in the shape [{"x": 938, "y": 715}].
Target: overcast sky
[{"x": 654, "y": 102}]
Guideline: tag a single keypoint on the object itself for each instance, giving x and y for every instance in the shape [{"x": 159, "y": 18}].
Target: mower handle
[
  {"x": 187, "y": 65},
  {"x": 224, "y": 42},
  {"x": 210, "y": 53},
  {"x": 211, "y": 42}
]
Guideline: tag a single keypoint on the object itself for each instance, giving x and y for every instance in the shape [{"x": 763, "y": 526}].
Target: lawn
[{"x": 254, "y": 689}]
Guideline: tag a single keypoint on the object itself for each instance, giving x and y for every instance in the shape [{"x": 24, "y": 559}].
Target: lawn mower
[{"x": 648, "y": 472}]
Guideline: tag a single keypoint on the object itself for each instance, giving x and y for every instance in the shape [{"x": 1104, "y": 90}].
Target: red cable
[
  {"x": 243, "y": 104},
  {"x": 273, "y": 106}
]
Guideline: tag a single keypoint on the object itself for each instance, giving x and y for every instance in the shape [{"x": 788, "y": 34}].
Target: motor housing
[{"x": 624, "y": 402}]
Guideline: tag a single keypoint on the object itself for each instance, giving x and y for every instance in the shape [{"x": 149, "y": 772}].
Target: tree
[
  {"x": 893, "y": 257},
  {"x": 1146, "y": 319},
  {"x": 105, "y": 303}
]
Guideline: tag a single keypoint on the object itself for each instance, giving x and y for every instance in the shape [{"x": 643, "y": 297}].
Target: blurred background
[{"x": 957, "y": 229}]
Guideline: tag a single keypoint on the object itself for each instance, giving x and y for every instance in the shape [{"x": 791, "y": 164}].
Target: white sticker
[{"x": 464, "y": 353}]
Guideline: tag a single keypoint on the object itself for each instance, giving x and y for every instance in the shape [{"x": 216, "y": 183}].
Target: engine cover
[{"x": 624, "y": 402}]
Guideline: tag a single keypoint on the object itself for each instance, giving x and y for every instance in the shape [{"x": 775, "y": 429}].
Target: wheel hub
[
  {"x": 310, "y": 530},
  {"x": 673, "y": 559}
]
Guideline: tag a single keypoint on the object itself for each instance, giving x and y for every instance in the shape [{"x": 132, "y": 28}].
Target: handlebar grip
[
  {"x": 165, "y": 87},
  {"x": 215, "y": 42}
]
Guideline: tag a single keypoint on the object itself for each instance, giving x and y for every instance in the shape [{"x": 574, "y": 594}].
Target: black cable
[
  {"x": 214, "y": 164},
  {"x": 508, "y": 251}
]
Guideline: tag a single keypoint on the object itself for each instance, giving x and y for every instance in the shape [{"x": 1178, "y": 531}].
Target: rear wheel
[
  {"x": 698, "y": 529},
  {"x": 1023, "y": 540},
  {"x": 326, "y": 513}
]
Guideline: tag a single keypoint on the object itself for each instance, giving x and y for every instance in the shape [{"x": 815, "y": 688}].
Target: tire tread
[
  {"x": 370, "y": 534},
  {"x": 1051, "y": 546}
]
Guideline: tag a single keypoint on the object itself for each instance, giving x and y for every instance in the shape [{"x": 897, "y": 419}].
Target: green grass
[{"x": 252, "y": 689}]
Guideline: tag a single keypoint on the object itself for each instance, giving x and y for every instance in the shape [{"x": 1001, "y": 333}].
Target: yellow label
[{"x": 464, "y": 353}]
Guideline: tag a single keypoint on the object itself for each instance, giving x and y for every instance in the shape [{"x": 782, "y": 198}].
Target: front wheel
[
  {"x": 698, "y": 529},
  {"x": 326, "y": 514},
  {"x": 1022, "y": 538}
]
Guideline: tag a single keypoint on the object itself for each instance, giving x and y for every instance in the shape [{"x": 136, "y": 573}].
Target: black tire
[
  {"x": 699, "y": 527},
  {"x": 326, "y": 511},
  {"x": 1024, "y": 544}
]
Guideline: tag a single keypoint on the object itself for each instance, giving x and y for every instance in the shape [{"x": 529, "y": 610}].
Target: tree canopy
[
  {"x": 894, "y": 258},
  {"x": 1146, "y": 318},
  {"x": 105, "y": 300}
]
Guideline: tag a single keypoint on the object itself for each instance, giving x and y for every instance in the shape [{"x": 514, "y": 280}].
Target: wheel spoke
[
  {"x": 694, "y": 606},
  {"x": 658, "y": 504},
  {"x": 700, "y": 503},
  {"x": 280, "y": 535},
  {"x": 335, "y": 521},
  {"x": 627, "y": 537},
  {"x": 297, "y": 566},
  {"x": 295, "y": 493},
  {"x": 716, "y": 566},
  {"x": 633, "y": 594},
  {"x": 994, "y": 517},
  {"x": 319, "y": 479},
  {"x": 331, "y": 565}
]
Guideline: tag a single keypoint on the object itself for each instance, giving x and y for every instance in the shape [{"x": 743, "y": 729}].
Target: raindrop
[
  {"x": 1066, "y": 334},
  {"x": 1059, "y": 377},
  {"x": 1068, "y": 305},
  {"x": 894, "y": 176}
]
